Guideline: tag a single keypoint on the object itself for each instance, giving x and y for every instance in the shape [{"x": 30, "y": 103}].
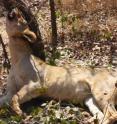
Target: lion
[{"x": 30, "y": 77}]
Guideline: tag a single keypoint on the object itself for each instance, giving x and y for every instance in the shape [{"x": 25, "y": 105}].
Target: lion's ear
[{"x": 29, "y": 35}]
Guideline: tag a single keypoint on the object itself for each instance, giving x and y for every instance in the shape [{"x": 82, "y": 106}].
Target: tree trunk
[
  {"x": 37, "y": 47},
  {"x": 53, "y": 25}
]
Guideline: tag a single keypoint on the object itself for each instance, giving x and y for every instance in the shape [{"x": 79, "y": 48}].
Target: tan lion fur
[{"x": 30, "y": 77}]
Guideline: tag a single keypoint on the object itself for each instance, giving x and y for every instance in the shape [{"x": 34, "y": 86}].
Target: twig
[
  {"x": 6, "y": 63},
  {"x": 38, "y": 4},
  {"x": 39, "y": 7}
]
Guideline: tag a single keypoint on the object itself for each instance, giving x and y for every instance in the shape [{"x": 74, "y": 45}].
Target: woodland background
[{"x": 86, "y": 36}]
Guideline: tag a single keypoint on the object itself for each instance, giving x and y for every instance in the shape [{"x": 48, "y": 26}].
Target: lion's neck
[
  {"x": 18, "y": 50},
  {"x": 40, "y": 64}
]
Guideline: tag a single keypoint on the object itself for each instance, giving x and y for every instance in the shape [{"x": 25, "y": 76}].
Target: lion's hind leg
[{"x": 94, "y": 109}]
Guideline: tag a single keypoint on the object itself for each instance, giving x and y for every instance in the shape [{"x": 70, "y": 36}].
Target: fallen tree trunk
[{"x": 37, "y": 47}]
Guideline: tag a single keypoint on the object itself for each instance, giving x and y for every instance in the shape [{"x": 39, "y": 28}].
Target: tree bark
[
  {"x": 38, "y": 46},
  {"x": 53, "y": 25}
]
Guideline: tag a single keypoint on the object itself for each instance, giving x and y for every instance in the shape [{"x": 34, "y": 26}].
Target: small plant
[
  {"x": 7, "y": 117},
  {"x": 56, "y": 55}
]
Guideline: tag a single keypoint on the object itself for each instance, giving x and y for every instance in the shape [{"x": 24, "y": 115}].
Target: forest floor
[{"x": 87, "y": 40}]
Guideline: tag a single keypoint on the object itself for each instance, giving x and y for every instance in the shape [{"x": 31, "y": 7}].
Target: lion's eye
[{"x": 12, "y": 15}]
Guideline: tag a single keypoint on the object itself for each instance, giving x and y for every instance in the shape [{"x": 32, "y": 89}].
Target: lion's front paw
[{"x": 15, "y": 105}]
